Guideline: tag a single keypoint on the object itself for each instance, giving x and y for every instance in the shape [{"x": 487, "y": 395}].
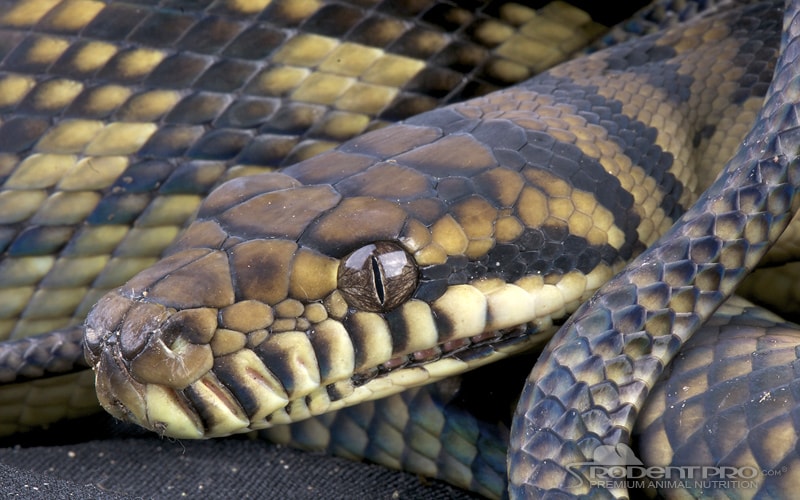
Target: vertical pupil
[{"x": 376, "y": 273}]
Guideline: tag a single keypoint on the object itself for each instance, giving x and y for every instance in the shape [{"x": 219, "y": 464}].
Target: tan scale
[
  {"x": 316, "y": 313},
  {"x": 138, "y": 62},
  {"x": 288, "y": 308},
  {"x": 16, "y": 206},
  {"x": 104, "y": 100},
  {"x": 13, "y": 88},
  {"x": 421, "y": 326},
  {"x": 339, "y": 350},
  {"x": 375, "y": 347},
  {"x": 342, "y": 125},
  {"x": 149, "y": 106},
  {"x": 726, "y": 136},
  {"x": 75, "y": 271},
  {"x": 120, "y": 139},
  {"x": 448, "y": 234},
  {"x": 25, "y": 14},
  {"x": 366, "y": 98},
  {"x": 66, "y": 208},
  {"x": 14, "y": 301},
  {"x": 313, "y": 276},
  {"x": 321, "y": 89},
  {"x": 46, "y": 50},
  {"x": 53, "y": 302},
  {"x": 68, "y": 137},
  {"x": 144, "y": 241},
  {"x": 430, "y": 255}
]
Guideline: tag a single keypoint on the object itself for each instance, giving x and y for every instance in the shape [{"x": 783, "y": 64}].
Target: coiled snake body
[{"x": 465, "y": 234}]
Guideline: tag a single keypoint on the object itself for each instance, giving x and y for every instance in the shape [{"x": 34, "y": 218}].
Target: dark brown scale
[
  {"x": 210, "y": 35},
  {"x": 255, "y": 43},
  {"x": 333, "y": 20},
  {"x": 197, "y": 108},
  {"x": 162, "y": 29},
  {"x": 226, "y": 76}
]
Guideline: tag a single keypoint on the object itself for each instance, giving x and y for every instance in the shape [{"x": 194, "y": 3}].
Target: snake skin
[
  {"x": 386, "y": 288},
  {"x": 115, "y": 127},
  {"x": 600, "y": 243},
  {"x": 610, "y": 352}
]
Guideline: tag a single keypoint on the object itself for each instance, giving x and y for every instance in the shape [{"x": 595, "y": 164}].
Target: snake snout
[
  {"x": 147, "y": 345},
  {"x": 143, "y": 355}
]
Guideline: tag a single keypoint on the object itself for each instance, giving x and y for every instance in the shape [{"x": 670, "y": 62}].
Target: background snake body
[{"x": 423, "y": 249}]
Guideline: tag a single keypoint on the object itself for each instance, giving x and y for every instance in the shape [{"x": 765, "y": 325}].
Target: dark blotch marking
[
  {"x": 210, "y": 35},
  {"x": 19, "y": 133},
  {"x": 399, "y": 329},
  {"x": 198, "y": 108},
  {"x": 444, "y": 326},
  {"x": 760, "y": 25},
  {"x": 177, "y": 71},
  {"x": 247, "y": 399},
  {"x": 333, "y": 20},
  {"x": 226, "y": 76},
  {"x": 704, "y": 133},
  {"x": 323, "y": 350},
  {"x": 40, "y": 240},
  {"x": 334, "y": 393},
  {"x": 220, "y": 144},
  {"x": 451, "y": 189},
  {"x": 360, "y": 339},
  {"x": 551, "y": 250},
  {"x": 428, "y": 291},
  {"x": 113, "y": 21},
  {"x": 170, "y": 141},
  {"x": 255, "y": 43},
  {"x": 636, "y": 140},
  {"x": 161, "y": 28},
  {"x": 501, "y": 134}
]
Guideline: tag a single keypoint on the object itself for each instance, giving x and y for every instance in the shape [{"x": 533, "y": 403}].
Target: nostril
[
  {"x": 104, "y": 319},
  {"x": 92, "y": 345},
  {"x": 142, "y": 322}
]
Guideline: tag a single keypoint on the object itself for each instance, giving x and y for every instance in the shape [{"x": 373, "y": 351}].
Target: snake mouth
[
  {"x": 142, "y": 353},
  {"x": 155, "y": 367},
  {"x": 204, "y": 364},
  {"x": 216, "y": 358}
]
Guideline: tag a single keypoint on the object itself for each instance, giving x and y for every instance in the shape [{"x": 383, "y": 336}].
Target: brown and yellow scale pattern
[
  {"x": 401, "y": 257},
  {"x": 119, "y": 117}
]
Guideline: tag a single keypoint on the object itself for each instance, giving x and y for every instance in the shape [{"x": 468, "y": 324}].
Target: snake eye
[{"x": 377, "y": 277}]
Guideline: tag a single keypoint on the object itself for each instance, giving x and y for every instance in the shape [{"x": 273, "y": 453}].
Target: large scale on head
[{"x": 425, "y": 248}]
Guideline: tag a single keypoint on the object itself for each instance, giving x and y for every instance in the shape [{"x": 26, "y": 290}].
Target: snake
[{"x": 467, "y": 234}]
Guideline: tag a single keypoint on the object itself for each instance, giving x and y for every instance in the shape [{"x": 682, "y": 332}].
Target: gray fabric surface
[{"x": 96, "y": 457}]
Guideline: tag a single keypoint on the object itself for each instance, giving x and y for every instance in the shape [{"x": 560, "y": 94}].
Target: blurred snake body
[{"x": 468, "y": 234}]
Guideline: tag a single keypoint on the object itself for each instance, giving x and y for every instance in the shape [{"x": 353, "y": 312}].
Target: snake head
[
  {"x": 243, "y": 316},
  {"x": 348, "y": 277}
]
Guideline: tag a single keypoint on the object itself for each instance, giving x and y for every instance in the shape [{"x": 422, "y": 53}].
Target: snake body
[
  {"x": 464, "y": 235},
  {"x": 120, "y": 117},
  {"x": 420, "y": 249}
]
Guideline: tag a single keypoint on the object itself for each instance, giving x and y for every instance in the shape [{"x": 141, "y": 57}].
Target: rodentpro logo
[{"x": 616, "y": 466}]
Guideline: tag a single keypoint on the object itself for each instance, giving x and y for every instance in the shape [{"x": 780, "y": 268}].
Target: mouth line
[
  {"x": 463, "y": 349},
  {"x": 200, "y": 417}
]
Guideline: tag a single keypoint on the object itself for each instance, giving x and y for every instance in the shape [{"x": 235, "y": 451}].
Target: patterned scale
[{"x": 117, "y": 118}]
